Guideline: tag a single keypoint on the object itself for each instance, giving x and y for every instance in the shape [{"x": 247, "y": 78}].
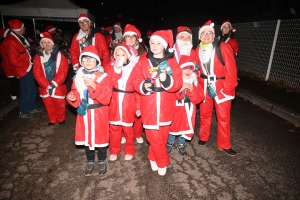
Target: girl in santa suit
[
  {"x": 91, "y": 93},
  {"x": 50, "y": 71},
  {"x": 124, "y": 105},
  {"x": 157, "y": 78},
  {"x": 190, "y": 94}
]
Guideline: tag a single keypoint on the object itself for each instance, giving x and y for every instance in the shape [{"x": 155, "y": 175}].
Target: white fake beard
[
  {"x": 184, "y": 47},
  {"x": 119, "y": 35},
  {"x": 79, "y": 81},
  {"x": 205, "y": 53},
  {"x": 80, "y": 35}
]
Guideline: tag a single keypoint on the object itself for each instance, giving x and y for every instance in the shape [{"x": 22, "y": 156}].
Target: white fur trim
[
  {"x": 46, "y": 39},
  {"x": 117, "y": 26},
  {"x": 226, "y": 23},
  {"x": 187, "y": 64},
  {"x": 184, "y": 32},
  {"x": 52, "y": 29},
  {"x": 171, "y": 50},
  {"x": 211, "y": 27},
  {"x": 89, "y": 54},
  {"x": 129, "y": 33},
  {"x": 18, "y": 29},
  {"x": 156, "y": 37},
  {"x": 124, "y": 49},
  {"x": 84, "y": 18},
  {"x": 5, "y": 33}
]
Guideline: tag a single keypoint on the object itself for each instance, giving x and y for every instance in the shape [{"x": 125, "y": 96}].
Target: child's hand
[
  {"x": 163, "y": 76},
  {"x": 138, "y": 113},
  {"x": 119, "y": 62},
  {"x": 71, "y": 96},
  {"x": 90, "y": 82}
]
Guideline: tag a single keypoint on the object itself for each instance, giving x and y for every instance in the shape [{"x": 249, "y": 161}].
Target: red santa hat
[
  {"x": 149, "y": 33},
  {"x": 118, "y": 24},
  {"x": 229, "y": 23},
  {"x": 15, "y": 25},
  {"x": 90, "y": 51},
  {"x": 183, "y": 29},
  {"x": 50, "y": 28},
  {"x": 124, "y": 47},
  {"x": 3, "y": 32},
  {"x": 83, "y": 17},
  {"x": 209, "y": 24},
  {"x": 165, "y": 37},
  {"x": 46, "y": 36},
  {"x": 187, "y": 62},
  {"x": 132, "y": 30}
]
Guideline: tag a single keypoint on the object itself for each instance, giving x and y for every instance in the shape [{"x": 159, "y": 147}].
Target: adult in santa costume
[
  {"x": 50, "y": 71},
  {"x": 6, "y": 68},
  {"x": 219, "y": 83},
  {"x": 85, "y": 37},
  {"x": 90, "y": 94},
  {"x": 17, "y": 50},
  {"x": 133, "y": 38},
  {"x": 226, "y": 36},
  {"x": 190, "y": 94},
  {"x": 124, "y": 105},
  {"x": 157, "y": 78},
  {"x": 116, "y": 36},
  {"x": 56, "y": 35}
]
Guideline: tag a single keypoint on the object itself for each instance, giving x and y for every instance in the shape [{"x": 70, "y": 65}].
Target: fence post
[{"x": 273, "y": 49}]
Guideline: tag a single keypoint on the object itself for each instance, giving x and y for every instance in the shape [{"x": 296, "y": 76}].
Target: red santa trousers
[
  {"x": 56, "y": 109},
  {"x": 137, "y": 127}
]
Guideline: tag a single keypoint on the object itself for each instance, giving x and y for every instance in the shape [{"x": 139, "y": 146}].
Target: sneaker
[
  {"x": 14, "y": 101},
  {"x": 181, "y": 150},
  {"x": 162, "y": 171},
  {"x": 169, "y": 148},
  {"x": 89, "y": 168},
  {"x": 113, "y": 157},
  {"x": 154, "y": 166},
  {"x": 128, "y": 157},
  {"x": 123, "y": 140},
  {"x": 26, "y": 115},
  {"x": 102, "y": 167},
  {"x": 36, "y": 110},
  {"x": 139, "y": 140}
]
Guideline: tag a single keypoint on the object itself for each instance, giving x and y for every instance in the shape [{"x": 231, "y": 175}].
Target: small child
[
  {"x": 190, "y": 94},
  {"x": 90, "y": 94},
  {"x": 124, "y": 103}
]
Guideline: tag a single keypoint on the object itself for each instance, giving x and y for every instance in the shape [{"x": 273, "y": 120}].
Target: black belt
[
  {"x": 158, "y": 89},
  {"x": 123, "y": 91},
  {"x": 93, "y": 106},
  {"x": 218, "y": 78}
]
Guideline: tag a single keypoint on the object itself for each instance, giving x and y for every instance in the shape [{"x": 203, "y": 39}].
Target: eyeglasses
[
  {"x": 130, "y": 36},
  {"x": 91, "y": 59},
  {"x": 83, "y": 22},
  {"x": 207, "y": 33}
]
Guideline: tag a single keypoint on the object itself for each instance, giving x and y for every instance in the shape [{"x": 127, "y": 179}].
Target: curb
[{"x": 278, "y": 110}]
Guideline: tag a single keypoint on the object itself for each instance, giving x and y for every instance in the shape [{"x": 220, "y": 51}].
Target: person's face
[
  {"x": 184, "y": 36},
  {"x": 187, "y": 73},
  {"x": 156, "y": 47},
  {"x": 225, "y": 29},
  {"x": 130, "y": 39},
  {"x": 89, "y": 63},
  {"x": 117, "y": 29},
  {"x": 206, "y": 36},
  {"x": 47, "y": 45},
  {"x": 121, "y": 54},
  {"x": 84, "y": 25},
  {"x": 22, "y": 31}
]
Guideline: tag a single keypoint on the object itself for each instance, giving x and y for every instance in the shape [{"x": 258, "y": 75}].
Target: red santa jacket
[
  {"x": 98, "y": 41},
  {"x": 233, "y": 43},
  {"x": 125, "y": 101},
  {"x": 92, "y": 129},
  {"x": 226, "y": 75},
  {"x": 4, "y": 63},
  {"x": 157, "y": 108},
  {"x": 61, "y": 70},
  {"x": 18, "y": 55}
]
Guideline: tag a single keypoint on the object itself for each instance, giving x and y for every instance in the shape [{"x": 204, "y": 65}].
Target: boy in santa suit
[
  {"x": 124, "y": 105},
  {"x": 219, "y": 83},
  {"x": 190, "y": 94},
  {"x": 157, "y": 78},
  {"x": 90, "y": 94},
  {"x": 50, "y": 71}
]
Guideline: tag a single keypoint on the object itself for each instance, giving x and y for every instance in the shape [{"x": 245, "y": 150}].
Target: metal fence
[{"x": 269, "y": 49}]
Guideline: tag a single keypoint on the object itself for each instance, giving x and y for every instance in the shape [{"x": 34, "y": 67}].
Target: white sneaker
[
  {"x": 113, "y": 157},
  {"x": 128, "y": 157},
  {"x": 154, "y": 166},
  {"x": 162, "y": 171},
  {"x": 139, "y": 140},
  {"x": 123, "y": 140}
]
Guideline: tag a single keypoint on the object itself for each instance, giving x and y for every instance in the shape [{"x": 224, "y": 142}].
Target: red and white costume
[
  {"x": 231, "y": 41},
  {"x": 5, "y": 63}
]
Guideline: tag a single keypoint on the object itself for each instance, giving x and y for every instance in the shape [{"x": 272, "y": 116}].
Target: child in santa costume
[
  {"x": 90, "y": 94},
  {"x": 190, "y": 94},
  {"x": 157, "y": 89},
  {"x": 50, "y": 71},
  {"x": 124, "y": 105}
]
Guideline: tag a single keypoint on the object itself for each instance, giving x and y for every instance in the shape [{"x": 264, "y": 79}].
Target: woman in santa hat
[
  {"x": 90, "y": 94},
  {"x": 50, "y": 71},
  {"x": 157, "y": 78},
  {"x": 226, "y": 36},
  {"x": 124, "y": 105},
  {"x": 219, "y": 83}
]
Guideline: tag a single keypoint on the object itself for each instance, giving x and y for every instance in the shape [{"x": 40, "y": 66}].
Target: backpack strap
[{"x": 218, "y": 51}]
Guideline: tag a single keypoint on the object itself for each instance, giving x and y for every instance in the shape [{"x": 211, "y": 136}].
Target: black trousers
[
  {"x": 14, "y": 82},
  {"x": 90, "y": 154}
]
